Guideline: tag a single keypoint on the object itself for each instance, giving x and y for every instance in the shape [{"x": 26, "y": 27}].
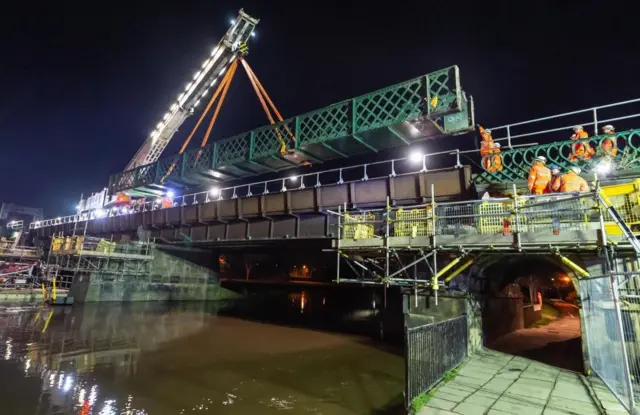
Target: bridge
[{"x": 425, "y": 107}]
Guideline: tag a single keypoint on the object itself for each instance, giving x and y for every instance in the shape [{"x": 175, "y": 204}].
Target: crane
[{"x": 213, "y": 68}]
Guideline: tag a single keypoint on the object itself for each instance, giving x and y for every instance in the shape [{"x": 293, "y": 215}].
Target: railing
[
  {"x": 430, "y": 351},
  {"x": 15, "y": 224},
  {"x": 553, "y": 213},
  {"x": 611, "y": 312},
  {"x": 434, "y": 96},
  {"x": 517, "y": 162},
  {"x": 593, "y": 116},
  {"x": 7, "y": 249},
  {"x": 416, "y": 163},
  {"x": 518, "y": 154}
]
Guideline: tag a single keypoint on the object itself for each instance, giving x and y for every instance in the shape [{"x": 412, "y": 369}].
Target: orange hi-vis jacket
[
  {"x": 539, "y": 178},
  {"x": 581, "y": 149},
  {"x": 571, "y": 182},
  {"x": 610, "y": 145},
  {"x": 487, "y": 146},
  {"x": 555, "y": 184},
  {"x": 492, "y": 162}
]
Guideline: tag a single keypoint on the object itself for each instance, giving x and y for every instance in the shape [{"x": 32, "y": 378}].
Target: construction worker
[
  {"x": 580, "y": 150},
  {"x": 493, "y": 162},
  {"x": 609, "y": 143},
  {"x": 539, "y": 176},
  {"x": 556, "y": 179},
  {"x": 486, "y": 145},
  {"x": 489, "y": 151},
  {"x": 571, "y": 181}
]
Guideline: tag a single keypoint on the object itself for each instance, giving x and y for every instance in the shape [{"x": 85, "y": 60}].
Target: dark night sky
[{"x": 83, "y": 85}]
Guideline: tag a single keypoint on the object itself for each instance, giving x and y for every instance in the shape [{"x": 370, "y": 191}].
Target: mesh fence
[
  {"x": 430, "y": 351},
  {"x": 541, "y": 214},
  {"x": 611, "y": 311}
]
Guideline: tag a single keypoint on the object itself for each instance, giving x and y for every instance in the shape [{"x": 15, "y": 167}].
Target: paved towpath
[{"x": 495, "y": 383}]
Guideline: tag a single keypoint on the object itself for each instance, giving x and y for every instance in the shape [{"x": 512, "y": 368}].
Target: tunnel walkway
[
  {"x": 491, "y": 382},
  {"x": 557, "y": 343}
]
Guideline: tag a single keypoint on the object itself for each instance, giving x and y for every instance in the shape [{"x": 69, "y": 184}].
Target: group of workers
[{"x": 543, "y": 179}]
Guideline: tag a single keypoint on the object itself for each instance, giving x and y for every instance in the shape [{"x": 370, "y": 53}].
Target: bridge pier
[{"x": 172, "y": 274}]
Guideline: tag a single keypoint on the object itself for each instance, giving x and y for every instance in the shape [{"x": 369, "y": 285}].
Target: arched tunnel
[{"x": 530, "y": 307}]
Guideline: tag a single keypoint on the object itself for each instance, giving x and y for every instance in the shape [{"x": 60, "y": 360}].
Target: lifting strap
[
  {"x": 262, "y": 96},
  {"x": 221, "y": 91}
]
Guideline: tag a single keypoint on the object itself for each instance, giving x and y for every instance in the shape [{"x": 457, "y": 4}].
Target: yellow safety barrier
[
  {"x": 78, "y": 243},
  {"x": 56, "y": 243},
  {"x": 415, "y": 222},
  {"x": 625, "y": 198},
  {"x": 67, "y": 244},
  {"x": 493, "y": 215},
  {"x": 359, "y": 226}
]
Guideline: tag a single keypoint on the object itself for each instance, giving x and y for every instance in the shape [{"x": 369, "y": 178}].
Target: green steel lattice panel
[
  {"x": 389, "y": 106},
  {"x": 233, "y": 150},
  {"x": 267, "y": 140},
  {"x": 165, "y": 169},
  {"x": 325, "y": 124},
  {"x": 145, "y": 175},
  {"x": 198, "y": 159},
  {"x": 444, "y": 91},
  {"x": 386, "y": 107}
]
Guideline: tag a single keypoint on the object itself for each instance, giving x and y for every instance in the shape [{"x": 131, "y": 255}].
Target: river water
[{"x": 192, "y": 358}]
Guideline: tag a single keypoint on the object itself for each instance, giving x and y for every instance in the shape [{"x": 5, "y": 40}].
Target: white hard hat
[
  {"x": 608, "y": 127},
  {"x": 578, "y": 127},
  {"x": 541, "y": 158},
  {"x": 576, "y": 169},
  {"x": 497, "y": 145},
  {"x": 488, "y": 131}
]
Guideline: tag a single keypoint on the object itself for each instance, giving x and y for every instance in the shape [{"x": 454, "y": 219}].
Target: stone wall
[
  {"x": 174, "y": 274},
  {"x": 530, "y": 315}
]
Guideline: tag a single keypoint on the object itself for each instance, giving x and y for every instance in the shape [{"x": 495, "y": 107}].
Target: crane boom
[{"x": 212, "y": 69}]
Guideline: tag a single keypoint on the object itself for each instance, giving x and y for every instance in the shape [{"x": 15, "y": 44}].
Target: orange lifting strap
[{"x": 221, "y": 91}]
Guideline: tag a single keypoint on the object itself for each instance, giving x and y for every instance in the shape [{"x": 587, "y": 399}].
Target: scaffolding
[
  {"x": 80, "y": 254},
  {"x": 388, "y": 246}
]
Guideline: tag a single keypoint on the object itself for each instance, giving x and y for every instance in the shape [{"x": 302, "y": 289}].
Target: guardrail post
[
  {"x": 434, "y": 282},
  {"x": 517, "y": 214},
  {"x": 509, "y": 136},
  {"x": 595, "y": 121}
]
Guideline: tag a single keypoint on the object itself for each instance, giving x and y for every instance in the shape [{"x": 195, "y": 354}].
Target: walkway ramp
[{"x": 491, "y": 382}]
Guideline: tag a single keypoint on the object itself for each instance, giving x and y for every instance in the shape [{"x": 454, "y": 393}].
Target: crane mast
[{"x": 212, "y": 69}]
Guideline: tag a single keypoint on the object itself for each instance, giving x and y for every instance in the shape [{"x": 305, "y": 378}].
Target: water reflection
[{"x": 159, "y": 359}]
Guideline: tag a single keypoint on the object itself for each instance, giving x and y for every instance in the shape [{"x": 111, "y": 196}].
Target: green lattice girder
[
  {"x": 338, "y": 127},
  {"x": 518, "y": 161}
]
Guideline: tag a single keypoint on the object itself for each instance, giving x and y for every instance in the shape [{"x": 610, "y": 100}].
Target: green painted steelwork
[
  {"x": 517, "y": 161},
  {"x": 366, "y": 123}
]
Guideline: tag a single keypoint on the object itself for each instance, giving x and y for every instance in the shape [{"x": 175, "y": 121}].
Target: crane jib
[{"x": 211, "y": 72}]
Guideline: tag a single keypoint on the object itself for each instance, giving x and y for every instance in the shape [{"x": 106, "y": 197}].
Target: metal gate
[
  {"x": 611, "y": 312},
  {"x": 430, "y": 351}
]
